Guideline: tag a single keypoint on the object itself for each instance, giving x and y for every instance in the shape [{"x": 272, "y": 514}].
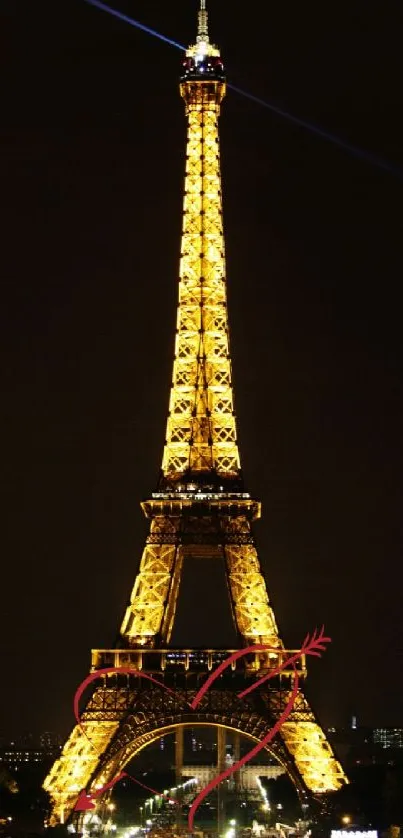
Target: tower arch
[{"x": 125, "y": 749}]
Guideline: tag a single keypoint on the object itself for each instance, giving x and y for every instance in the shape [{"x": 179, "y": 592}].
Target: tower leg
[{"x": 221, "y": 754}]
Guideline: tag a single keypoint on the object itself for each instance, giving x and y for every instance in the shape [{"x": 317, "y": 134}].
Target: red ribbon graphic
[{"x": 314, "y": 645}]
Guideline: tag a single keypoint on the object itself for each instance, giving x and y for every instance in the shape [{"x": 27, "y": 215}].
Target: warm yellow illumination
[
  {"x": 79, "y": 759},
  {"x": 313, "y": 756},
  {"x": 201, "y": 431}
]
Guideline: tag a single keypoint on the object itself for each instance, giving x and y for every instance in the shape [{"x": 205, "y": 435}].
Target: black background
[{"x": 92, "y": 191}]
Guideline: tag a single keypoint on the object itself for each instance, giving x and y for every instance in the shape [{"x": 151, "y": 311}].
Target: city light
[
  {"x": 266, "y": 805},
  {"x": 348, "y": 833}
]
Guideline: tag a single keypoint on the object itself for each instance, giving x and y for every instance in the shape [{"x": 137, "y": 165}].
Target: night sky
[{"x": 92, "y": 179}]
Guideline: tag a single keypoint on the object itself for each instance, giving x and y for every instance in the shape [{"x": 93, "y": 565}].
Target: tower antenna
[{"x": 202, "y": 28}]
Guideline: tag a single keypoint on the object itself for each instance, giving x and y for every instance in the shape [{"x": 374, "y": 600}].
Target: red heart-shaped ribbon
[{"x": 311, "y": 646}]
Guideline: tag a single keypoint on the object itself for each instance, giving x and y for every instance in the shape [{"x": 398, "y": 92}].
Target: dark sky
[{"x": 92, "y": 176}]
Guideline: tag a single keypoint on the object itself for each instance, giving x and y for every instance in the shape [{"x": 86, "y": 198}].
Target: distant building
[
  {"x": 15, "y": 757},
  {"x": 367, "y": 746},
  {"x": 29, "y": 749},
  {"x": 388, "y": 737}
]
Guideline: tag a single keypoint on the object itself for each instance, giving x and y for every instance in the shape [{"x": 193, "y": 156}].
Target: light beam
[
  {"x": 320, "y": 132},
  {"x": 359, "y": 153},
  {"x": 132, "y": 22}
]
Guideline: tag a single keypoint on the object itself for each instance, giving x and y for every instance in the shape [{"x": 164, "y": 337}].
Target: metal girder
[
  {"x": 201, "y": 430},
  {"x": 122, "y": 721},
  {"x": 126, "y": 713},
  {"x": 76, "y": 765},
  {"x": 151, "y": 611}
]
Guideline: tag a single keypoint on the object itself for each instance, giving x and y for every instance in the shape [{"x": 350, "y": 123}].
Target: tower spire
[{"x": 202, "y": 28}]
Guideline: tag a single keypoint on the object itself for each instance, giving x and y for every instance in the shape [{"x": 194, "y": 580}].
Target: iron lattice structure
[{"x": 200, "y": 509}]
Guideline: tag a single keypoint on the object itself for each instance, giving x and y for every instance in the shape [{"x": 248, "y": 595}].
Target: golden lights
[{"x": 201, "y": 431}]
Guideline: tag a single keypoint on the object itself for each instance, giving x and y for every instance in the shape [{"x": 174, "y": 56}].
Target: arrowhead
[{"x": 84, "y": 802}]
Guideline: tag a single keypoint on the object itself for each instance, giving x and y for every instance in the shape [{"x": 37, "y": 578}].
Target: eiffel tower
[{"x": 201, "y": 509}]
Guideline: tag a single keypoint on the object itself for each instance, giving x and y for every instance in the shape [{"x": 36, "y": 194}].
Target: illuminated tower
[
  {"x": 200, "y": 509},
  {"x": 201, "y": 463}
]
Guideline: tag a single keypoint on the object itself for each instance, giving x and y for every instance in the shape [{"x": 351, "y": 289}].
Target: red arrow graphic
[
  {"x": 314, "y": 645},
  {"x": 311, "y": 646},
  {"x": 85, "y": 801}
]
